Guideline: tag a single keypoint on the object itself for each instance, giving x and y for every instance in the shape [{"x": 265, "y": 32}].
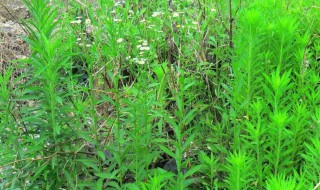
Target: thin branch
[
  {"x": 44, "y": 158},
  {"x": 220, "y": 16}
]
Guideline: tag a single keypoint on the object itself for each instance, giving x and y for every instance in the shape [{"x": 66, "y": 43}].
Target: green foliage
[{"x": 164, "y": 95}]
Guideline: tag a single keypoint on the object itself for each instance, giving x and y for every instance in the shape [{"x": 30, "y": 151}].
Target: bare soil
[{"x": 12, "y": 47}]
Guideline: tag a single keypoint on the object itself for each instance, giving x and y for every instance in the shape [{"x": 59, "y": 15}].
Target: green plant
[{"x": 221, "y": 95}]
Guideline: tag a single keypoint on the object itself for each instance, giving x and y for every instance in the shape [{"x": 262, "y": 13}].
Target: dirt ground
[{"x": 11, "y": 45}]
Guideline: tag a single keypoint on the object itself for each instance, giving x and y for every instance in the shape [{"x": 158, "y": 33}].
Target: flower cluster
[{"x": 143, "y": 47}]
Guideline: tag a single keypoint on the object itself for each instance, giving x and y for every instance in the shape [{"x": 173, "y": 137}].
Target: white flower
[
  {"x": 145, "y": 48},
  {"x": 195, "y": 22},
  {"x": 145, "y": 43},
  {"x": 87, "y": 21},
  {"x": 117, "y": 20},
  {"x": 175, "y": 14},
  {"x": 119, "y": 40},
  {"x": 155, "y": 14},
  {"x": 141, "y": 62},
  {"x": 75, "y": 22}
]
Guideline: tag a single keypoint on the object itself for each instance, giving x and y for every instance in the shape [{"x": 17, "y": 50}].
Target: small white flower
[
  {"x": 143, "y": 20},
  {"x": 155, "y": 14},
  {"x": 195, "y": 22},
  {"x": 75, "y": 22},
  {"x": 213, "y": 9},
  {"x": 119, "y": 40},
  {"x": 145, "y": 48},
  {"x": 139, "y": 46},
  {"x": 145, "y": 43},
  {"x": 87, "y": 21},
  {"x": 88, "y": 45},
  {"x": 117, "y": 20},
  {"x": 175, "y": 14},
  {"x": 151, "y": 26},
  {"x": 141, "y": 62}
]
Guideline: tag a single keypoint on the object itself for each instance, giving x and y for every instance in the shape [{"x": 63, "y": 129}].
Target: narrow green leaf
[
  {"x": 192, "y": 171},
  {"x": 166, "y": 150}
]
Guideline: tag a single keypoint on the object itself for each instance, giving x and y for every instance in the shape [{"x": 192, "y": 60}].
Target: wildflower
[
  {"x": 175, "y": 14},
  {"x": 145, "y": 48},
  {"x": 155, "y": 14},
  {"x": 117, "y": 20},
  {"x": 145, "y": 43},
  {"x": 143, "y": 20},
  {"x": 88, "y": 45},
  {"x": 151, "y": 26},
  {"x": 213, "y": 9},
  {"x": 141, "y": 62},
  {"x": 75, "y": 22},
  {"x": 119, "y": 40},
  {"x": 71, "y": 114},
  {"x": 195, "y": 22},
  {"x": 139, "y": 46},
  {"x": 87, "y": 21}
]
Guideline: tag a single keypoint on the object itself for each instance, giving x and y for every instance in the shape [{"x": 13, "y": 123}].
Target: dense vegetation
[{"x": 164, "y": 94}]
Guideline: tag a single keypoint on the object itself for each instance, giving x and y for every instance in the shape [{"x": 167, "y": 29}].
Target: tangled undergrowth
[{"x": 164, "y": 95}]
